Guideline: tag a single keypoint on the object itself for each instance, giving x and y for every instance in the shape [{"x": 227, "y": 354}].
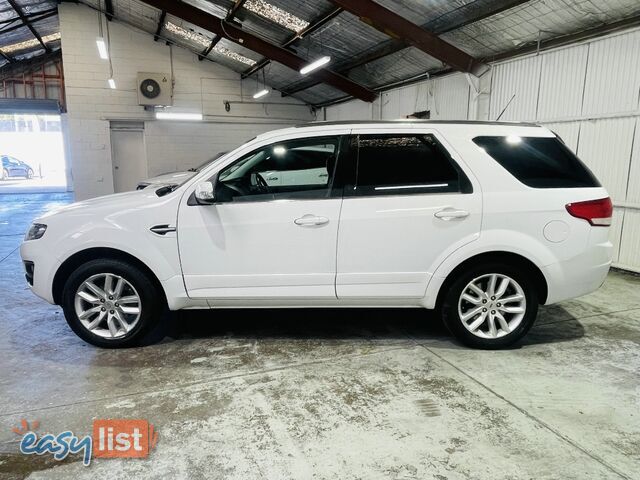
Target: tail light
[{"x": 597, "y": 212}]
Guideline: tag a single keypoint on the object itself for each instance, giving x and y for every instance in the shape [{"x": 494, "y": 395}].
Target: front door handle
[
  {"x": 310, "y": 220},
  {"x": 450, "y": 214}
]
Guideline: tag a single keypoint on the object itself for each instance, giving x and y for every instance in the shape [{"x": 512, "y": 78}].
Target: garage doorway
[
  {"x": 32, "y": 153},
  {"x": 128, "y": 155}
]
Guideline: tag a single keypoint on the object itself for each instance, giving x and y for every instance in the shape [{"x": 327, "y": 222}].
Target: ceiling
[
  {"x": 484, "y": 29},
  {"x": 17, "y": 40}
]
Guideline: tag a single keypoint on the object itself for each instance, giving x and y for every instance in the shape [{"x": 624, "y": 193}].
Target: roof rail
[{"x": 411, "y": 120}]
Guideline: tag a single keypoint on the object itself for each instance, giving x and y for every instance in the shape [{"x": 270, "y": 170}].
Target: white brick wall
[{"x": 199, "y": 86}]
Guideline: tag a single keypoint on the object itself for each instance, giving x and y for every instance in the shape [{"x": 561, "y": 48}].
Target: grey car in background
[{"x": 12, "y": 167}]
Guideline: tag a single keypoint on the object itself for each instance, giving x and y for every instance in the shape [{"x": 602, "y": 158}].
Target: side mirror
[{"x": 205, "y": 193}]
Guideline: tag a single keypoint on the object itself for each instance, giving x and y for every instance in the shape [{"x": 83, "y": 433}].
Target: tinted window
[
  {"x": 403, "y": 164},
  {"x": 539, "y": 162},
  {"x": 291, "y": 169}
]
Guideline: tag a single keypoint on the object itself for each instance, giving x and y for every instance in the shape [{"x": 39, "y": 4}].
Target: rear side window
[
  {"x": 538, "y": 162},
  {"x": 403, "y": 164}
]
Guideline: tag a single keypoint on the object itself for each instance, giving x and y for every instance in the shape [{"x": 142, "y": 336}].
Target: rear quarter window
[{"x": 538, "y": 162}]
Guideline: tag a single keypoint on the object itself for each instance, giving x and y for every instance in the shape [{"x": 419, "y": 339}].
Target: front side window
[
  {"x": 403, "y": 164},
  {"x": 538, "y": 162},
  {"x": 301, "y": 168}
]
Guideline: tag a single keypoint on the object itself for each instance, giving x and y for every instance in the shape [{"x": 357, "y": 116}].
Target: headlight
[{"x": 36, "y": 231}]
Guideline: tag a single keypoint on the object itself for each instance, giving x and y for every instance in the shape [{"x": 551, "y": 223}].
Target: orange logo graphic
[
  {"x": 123, "y": 438},
  {"x": 25, "y": 427}
]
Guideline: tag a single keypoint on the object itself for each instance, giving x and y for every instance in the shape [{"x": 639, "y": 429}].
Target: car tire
[
  {"x": 113, "y": 321},
  {"x": 475, "y": 311},
  {"x": 29, "y": 174},
  {"x": 5, "y": 174}
]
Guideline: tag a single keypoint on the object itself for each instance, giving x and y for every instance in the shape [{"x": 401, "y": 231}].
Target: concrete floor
[{"x": 353, "y": 394}]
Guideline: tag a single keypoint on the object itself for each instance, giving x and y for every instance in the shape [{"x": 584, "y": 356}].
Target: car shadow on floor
[{"x": 351, "y": 323}]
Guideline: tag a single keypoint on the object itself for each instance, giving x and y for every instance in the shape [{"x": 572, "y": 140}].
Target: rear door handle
[
  {"x": 310, "y": 220},
  {"x": 450, "y": 213}
]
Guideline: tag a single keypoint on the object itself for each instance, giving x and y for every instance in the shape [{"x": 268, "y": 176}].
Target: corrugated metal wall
[
  {"x": 590, "y": 95},
  {"x": 447, "y": 98},
  {"x": 587, "y": 93},
  {"x": 31, "y": 84}
]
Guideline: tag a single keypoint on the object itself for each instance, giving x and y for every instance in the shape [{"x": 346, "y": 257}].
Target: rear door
[{"x": 409, "y": 203}]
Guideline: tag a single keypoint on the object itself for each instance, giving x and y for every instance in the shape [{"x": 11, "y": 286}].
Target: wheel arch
[
  {"x": 78, "y": 258},
  {"x": 510, "y": 258}
]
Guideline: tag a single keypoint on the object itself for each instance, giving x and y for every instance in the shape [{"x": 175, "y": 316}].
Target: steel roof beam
[
  {"x": 163, "y": 17},
  {"x": 30, "y": 16},
  {"x": 227, "y": 30},
  {"x": 312, "y": 27},
  {"x": 27, "y": 23},
  {"x": 34, "y": 18},
  {"x": 8, "y": 58},
  {"x": 108, "y": 6},
  {"x": 438, "y": 26},
  {"x": 396, "y": 26},
  {"x": 231, "y": 14}
]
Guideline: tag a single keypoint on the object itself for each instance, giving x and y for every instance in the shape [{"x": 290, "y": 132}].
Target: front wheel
[
  {"x": 5, "y": 174},
  {"x": 29, "y": 174},
  {"x": 491, "y": 306},
  {"x": 112, "y": 304}
]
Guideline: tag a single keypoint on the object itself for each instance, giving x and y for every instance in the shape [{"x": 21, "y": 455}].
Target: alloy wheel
[
  {"x": 492, "y": 305},
  {"x": 107, "y": 305}
]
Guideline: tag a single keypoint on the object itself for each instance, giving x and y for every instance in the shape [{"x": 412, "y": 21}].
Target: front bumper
[
  {"x": 44, "y": 266},
  {"x": 28, "y": 271}
]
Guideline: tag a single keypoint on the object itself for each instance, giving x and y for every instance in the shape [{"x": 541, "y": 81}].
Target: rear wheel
[
  {"x": 29, "y": 174},
  {"x": 110, "y": 303},
  {"x": 5, "y": 174},
  {"x": 491, "y": 306}
]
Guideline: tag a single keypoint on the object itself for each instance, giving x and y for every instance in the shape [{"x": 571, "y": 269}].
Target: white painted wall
[
  {"x": 588, "y": 93},
  {"x": 170, "y": 146}
]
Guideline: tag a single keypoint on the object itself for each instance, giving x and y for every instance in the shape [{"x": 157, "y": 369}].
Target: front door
[
  {"x": 272, "y": 231},
  {"x": 14, "y": 168},
  {"x": 408, "y": 205}
]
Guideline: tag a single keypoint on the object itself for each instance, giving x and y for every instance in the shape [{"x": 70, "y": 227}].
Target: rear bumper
[{"x": 579, "y": 275}]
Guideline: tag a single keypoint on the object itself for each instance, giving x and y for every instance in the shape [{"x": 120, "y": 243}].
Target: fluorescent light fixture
[
  {"x": 261, "y": 93},
  {"x": 112, "y": 83},
  {"x": 178, "y": 116},
  {"x": 315, "y": 65},
  {"x": 279, "y": 150},
  {"x": 102, "y": 48},
  {"x": 514, "y": 139}
]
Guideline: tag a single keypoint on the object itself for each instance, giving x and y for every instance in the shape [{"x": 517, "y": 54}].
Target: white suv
[{"x": 482, "y": 221}]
